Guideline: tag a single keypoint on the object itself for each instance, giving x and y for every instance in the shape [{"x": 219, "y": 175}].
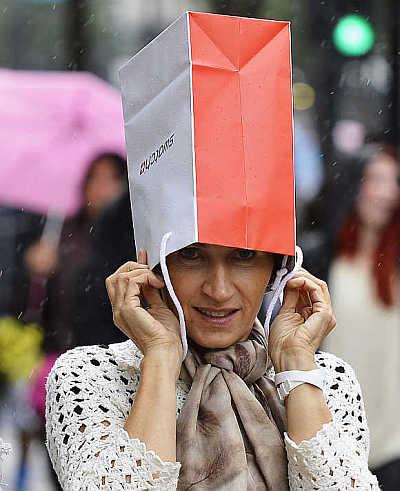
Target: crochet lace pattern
[
  {"x": 5, "y": 451},
  {"x": 90, "y": 391}
]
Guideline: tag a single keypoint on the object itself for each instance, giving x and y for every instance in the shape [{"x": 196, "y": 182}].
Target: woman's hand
[
  {"x": 155, "y": 330},
  {"x": 304, "y": 320},
  {"x": 41, "y": 258}
]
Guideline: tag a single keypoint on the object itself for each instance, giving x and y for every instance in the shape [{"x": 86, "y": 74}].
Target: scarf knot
[{"x": 247, "y": 359}]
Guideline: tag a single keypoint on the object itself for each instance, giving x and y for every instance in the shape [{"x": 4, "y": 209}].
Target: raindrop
[{"x": 89, "y": 21}]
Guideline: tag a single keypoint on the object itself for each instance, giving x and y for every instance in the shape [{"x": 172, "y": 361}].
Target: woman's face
[
  {"x": 220, "y": 290},
  {"x": 380, "y": 191},
  {"x": 104, "y": 185}
]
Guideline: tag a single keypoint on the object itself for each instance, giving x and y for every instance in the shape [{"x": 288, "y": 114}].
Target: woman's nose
[{"x": 218, "y": 285}]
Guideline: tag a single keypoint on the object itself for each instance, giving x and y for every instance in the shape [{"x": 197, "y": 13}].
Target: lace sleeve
[
  {"x": 5, "y": 451},
  {"x": 336, "y": 458},
  {"x": 88, "y": 399}
]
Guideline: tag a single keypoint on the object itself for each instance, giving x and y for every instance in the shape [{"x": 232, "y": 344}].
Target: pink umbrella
[{"x": 51, "y": 125}]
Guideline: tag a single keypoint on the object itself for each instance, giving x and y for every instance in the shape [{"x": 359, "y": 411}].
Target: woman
[
  {"x": 119, "y": 416},
  {"x": 205, "y": 411},
  {"x": 367, "y": 257},
  {"x": 56, "y": 265},
  {"x": 113, "y": 244}
]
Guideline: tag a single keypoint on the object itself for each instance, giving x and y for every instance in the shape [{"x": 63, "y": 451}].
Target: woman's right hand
[{"x": 154, "y": 330}]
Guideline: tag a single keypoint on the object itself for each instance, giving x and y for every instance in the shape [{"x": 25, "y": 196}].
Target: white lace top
[
  {"x": 5, "y": 451},
  {"x": 90, "y": 391}
]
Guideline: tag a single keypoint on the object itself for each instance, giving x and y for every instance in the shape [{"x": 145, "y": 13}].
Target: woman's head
[
  {"x": 379, "y": 193},
  {"x": 220, "y": 290},
  {"x": 104, "y": 181}
]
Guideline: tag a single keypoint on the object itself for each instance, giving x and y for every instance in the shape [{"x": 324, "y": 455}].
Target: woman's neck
[{"x": 368, "y": 241}]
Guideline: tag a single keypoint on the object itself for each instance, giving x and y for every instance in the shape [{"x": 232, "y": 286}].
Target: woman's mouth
[{"x": 217, "y": 316}]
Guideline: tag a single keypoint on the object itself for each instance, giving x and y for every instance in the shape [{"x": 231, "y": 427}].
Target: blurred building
[{"x": 355, "y": 91}]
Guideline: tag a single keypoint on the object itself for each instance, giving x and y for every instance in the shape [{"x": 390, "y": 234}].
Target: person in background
[
  {"x": 112, "y": 245},
  {"x": 364, "y": 279},
  {"x": 59, "y": 266},
  {"x": 54, "y": 269}
]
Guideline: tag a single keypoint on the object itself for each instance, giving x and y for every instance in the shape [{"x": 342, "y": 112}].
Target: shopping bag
[{"x": 209, "y": 132}]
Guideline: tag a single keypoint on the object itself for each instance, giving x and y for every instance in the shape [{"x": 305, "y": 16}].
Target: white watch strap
[{"x": 287, "y": 381}]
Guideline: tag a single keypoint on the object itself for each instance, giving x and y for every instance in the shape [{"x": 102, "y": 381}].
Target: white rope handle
[
  {"x": 281, "y": 279},
  {"x": 170, "y": 288}
]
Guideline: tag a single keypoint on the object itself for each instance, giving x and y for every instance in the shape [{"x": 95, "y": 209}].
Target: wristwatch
[{"x": 285, "y": 382}]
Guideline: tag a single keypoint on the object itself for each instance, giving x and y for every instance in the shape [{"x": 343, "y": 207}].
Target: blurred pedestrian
[
  {"x": 112, "y": 245},
  {"x": 54, "y": 267},
  {"x": 58, "y": 264},
  {"x": 364, "y": 279}
]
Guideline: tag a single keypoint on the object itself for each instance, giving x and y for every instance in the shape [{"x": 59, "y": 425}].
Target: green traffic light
[{"x": 353, "y": 35}]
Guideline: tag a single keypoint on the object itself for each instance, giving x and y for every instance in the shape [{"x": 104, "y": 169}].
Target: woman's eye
[
  {"x": 189, "y": 253},
  {"x": 245, "y": 254}
]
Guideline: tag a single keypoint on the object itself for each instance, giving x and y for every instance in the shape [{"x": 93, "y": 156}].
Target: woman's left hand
[{"x": 304, "y": 320}]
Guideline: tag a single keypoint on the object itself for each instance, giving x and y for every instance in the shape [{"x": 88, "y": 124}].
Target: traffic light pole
[
  {"x": 394, "y": 96},
  {"x": 76, "y": 39}
]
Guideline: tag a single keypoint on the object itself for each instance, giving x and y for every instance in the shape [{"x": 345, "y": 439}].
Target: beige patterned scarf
[{"x": 230, "y": 430}]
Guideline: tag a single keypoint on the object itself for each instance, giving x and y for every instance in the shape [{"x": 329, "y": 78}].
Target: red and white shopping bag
[
  {"x": 209, "y": 133},
  {"x": 208, "y": 123}
]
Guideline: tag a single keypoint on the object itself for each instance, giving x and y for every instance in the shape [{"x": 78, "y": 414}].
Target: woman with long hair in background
[{"x": 364, "y": 279}]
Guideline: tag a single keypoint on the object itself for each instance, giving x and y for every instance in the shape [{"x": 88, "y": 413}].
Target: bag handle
[
  {"x": 171, "y": 291},
  {"x": 283, "y": 275}
]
